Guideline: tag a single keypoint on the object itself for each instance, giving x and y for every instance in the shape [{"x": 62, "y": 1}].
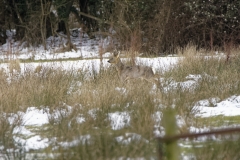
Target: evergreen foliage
[{"x": 140, "y": 25}]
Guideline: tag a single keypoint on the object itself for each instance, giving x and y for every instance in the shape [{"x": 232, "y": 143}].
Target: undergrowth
[{"x": 80, "y": 106}]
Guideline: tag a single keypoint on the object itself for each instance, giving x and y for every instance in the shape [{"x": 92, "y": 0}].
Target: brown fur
[{"x": 131, "y": 72}]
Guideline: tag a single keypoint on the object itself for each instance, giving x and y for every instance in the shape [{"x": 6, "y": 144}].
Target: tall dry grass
[
  {"x": 80, "y": 104},
  {"x": 46, "y": 88}
]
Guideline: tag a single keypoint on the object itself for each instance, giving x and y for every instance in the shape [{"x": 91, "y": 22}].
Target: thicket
[
  {"x": 81, "y": 105},
  {"x": 155, "y": 26}
]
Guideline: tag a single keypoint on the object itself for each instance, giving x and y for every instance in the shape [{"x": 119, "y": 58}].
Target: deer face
[{"x": 114, "y": 59}]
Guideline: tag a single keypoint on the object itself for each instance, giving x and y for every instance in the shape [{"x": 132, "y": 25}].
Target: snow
[
  {"x": 82, "y": 139},
  {"x": 227, "y": 107},
  {"x": 33, "y": 143},
  {"x": 87, "y": 50},
  {"x": 130, "y": 137},
  {"x": 34, "y": 116},
  {"x": 119, "y": 120}
]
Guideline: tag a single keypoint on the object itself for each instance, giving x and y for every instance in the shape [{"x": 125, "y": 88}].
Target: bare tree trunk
[
  {"x": 167, "y": 8},
  {"x": 69, "y": 43},
  {"x": 43, "y": 25}
]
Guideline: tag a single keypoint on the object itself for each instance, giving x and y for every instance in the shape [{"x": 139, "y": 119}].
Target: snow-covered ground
[{"x": 89, "y": 49}]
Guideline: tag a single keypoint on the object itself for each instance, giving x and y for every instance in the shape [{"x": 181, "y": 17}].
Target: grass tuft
[{"x": 80, "y": 105}]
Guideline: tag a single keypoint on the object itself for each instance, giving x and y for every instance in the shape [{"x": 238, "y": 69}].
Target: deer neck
[{"x": 119, "y": 66}]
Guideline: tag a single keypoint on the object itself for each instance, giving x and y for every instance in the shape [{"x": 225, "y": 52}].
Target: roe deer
[{"x": 133, "y": 72}]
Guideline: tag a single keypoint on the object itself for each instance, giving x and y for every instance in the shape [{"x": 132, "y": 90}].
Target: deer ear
[{"x": 118, "y": 54}]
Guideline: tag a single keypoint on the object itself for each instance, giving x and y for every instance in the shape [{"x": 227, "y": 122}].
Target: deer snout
[{"x": 110, "y": 61}]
